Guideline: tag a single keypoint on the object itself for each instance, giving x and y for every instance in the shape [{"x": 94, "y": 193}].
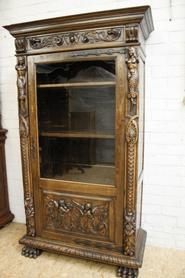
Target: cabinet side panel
[{"x": 140, "y": 160}]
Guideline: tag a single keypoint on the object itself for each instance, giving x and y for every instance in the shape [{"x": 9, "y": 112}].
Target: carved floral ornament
[
  {"x": 30, "y": 216},
  {"x": 73, "y": 38}
]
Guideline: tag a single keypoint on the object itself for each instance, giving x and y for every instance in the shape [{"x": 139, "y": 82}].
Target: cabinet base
[
  {"x": 92, "y": 253},
  {"x": 31, "y": 252},
  {"x": 126, "y": 272},
  {"x": 6, "y": 218}
]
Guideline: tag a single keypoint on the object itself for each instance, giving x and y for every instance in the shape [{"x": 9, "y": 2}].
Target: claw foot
[
  {"x": 125, "y": 272},
  {"x": 30, "y": 252}
]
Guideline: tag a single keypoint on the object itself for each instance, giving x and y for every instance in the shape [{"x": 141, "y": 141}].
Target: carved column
[
  {"x": 24, "y": 138},
  {"x": 131, "y": 141}
]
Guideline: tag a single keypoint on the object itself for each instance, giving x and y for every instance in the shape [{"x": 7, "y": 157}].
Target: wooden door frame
[{"x": 105, "y": 190}]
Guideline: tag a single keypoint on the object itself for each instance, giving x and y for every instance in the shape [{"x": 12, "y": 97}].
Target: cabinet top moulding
[{"x": 105, "y": 29}]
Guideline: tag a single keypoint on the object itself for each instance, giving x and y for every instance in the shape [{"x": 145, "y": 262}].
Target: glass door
[
  {"x": 76, "y": 121},
  {"x": 76, "y": 118}
]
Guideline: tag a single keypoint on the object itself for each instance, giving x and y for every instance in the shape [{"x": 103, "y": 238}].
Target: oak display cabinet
[{"x": 80, "y": 86}]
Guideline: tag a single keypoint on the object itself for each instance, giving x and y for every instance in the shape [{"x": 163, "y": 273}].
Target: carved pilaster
[
  {"x": 130, "y": 212},
  {"x": 24, "y": 138},
  {"x": 131, "y": 141}
]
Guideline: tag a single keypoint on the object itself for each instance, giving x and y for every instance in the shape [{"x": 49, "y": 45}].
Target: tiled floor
[{"x": 158, "y": 262}]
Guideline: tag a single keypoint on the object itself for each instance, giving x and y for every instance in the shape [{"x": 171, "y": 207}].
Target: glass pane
[
  {"x": 76, "y": 72},
  {"x": 76, "y": 126}
]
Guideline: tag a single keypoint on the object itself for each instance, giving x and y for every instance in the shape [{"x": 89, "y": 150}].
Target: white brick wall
[{"x": 164, "y": 187}]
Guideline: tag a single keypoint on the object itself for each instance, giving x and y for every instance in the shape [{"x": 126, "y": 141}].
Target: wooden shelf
[
  {"x": 77, "y": 134},
  {"x": 77, "y": 84}
]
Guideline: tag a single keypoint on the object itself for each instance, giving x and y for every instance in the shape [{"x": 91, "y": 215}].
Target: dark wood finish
[
  {"x": 5, "y": 215},
  {"x": 101, "y": 222}
]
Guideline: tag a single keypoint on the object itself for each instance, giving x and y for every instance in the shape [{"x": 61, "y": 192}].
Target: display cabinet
[
  {"x": 5, "y": 215},
  {"x": 80, "y": 86}
]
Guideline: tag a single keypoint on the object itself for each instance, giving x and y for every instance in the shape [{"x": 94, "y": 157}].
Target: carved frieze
[
  {"x": 72, "y": 216},
  {"x": 75, "y": 38},
  {"x": 24, "y": 137},
  {"x": 133, "y": 79}
]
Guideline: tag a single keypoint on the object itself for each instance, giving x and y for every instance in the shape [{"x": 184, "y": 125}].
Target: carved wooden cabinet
[
  {"x": 80, "y": 86},
  {"x": 5, "y": 215}
]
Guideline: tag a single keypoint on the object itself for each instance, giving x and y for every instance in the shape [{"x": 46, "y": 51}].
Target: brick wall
[{"x": 164, "y": 186}]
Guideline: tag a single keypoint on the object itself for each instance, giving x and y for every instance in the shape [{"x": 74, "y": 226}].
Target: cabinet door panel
[{"x": 70, "y": 214}]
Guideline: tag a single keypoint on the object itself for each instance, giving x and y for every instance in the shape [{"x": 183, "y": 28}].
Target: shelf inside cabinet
[
  {"x": 77, "y": 84},
  {"x": 77, "y": 134}
]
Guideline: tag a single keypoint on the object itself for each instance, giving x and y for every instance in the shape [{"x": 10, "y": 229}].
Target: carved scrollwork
[
  {"x": 133, "y": 79},
  {"x": 24, "y": 137},
  {"x": 20, "y": 45},
  {"x": 67, "y": 39},
  {"x": 73, "y": 216}
]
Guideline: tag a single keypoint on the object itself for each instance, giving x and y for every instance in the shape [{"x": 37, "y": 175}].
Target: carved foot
[
  {"x": 125, "y": 272},
  {"x": 31, "y": 252}
]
